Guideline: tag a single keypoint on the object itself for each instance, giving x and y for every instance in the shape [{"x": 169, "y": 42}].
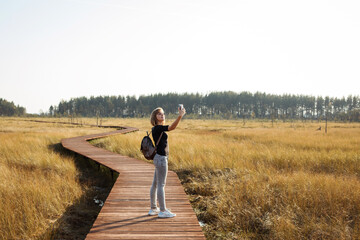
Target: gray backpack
[{"x": 147, "y": 146}]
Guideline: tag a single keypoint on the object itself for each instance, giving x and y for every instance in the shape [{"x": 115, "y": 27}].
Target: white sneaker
[
  {"x": 166, "y": 214},
  {"x": 154, "y": 212}
]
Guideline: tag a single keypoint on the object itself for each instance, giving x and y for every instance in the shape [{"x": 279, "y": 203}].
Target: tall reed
[
  {"x": 264, "y": 181},
  {"x": 37, "y": 182}
]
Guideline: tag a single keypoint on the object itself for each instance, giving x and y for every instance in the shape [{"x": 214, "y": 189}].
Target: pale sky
[{"x": 53, "y": 50}]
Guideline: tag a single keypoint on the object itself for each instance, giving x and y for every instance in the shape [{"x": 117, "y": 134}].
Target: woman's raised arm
[{"x": 176, "y": 122}]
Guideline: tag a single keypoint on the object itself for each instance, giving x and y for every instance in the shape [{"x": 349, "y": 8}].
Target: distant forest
[
  {"x": 9, "y": 109},
  {"x": 216, "y": 105}
]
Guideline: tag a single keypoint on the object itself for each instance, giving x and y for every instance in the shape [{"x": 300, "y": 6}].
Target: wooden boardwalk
[{"x": 124, "y": 214}]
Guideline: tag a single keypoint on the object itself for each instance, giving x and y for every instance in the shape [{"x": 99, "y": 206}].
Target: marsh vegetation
[
  {"x": 259, "y": 180},
  {"x": 45, "y": 191},
  {"x": 263, "y": 180}
]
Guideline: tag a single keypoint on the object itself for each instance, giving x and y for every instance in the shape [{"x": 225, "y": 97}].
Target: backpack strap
[{"x": 158, "y": 140}]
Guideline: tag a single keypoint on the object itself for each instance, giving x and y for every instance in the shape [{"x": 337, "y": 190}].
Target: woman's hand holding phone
[{"x": 182, "y": 110}]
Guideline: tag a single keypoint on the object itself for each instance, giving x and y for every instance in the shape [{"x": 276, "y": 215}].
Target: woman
[{"x": 161, "y": 161}]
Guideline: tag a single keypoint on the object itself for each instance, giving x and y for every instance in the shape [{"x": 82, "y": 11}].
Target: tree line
[
  {"x": 216, "y": 105},
  {"x": 10, "y": 109}
]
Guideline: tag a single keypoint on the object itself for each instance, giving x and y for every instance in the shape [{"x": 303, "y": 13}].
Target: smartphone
[{"x": 181, "y": 106}]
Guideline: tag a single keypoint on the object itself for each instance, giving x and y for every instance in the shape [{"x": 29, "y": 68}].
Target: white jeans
[{"x": 158, "y": 185}]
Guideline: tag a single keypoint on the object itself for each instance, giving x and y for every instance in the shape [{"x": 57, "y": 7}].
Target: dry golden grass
[
  {"x": 264, "y": 181},
  {"x": 252, "y": 181},
  {"x": 37, "y": 183}
]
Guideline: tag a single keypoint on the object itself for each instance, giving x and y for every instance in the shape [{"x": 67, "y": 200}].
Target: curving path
[{"x": 124, "y": 214}]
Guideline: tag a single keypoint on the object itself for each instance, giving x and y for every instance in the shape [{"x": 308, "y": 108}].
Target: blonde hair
[{"x": 153, "y": 119}]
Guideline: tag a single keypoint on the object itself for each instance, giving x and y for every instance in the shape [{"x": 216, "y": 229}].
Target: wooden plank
[{"x": 124, "y": 214}]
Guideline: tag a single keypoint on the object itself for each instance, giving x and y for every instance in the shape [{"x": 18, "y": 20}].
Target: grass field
[
  {"x": 262, "y": 180},
  {"x": 41, "y": 188},
  {"x": 254, "y": 181}
]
